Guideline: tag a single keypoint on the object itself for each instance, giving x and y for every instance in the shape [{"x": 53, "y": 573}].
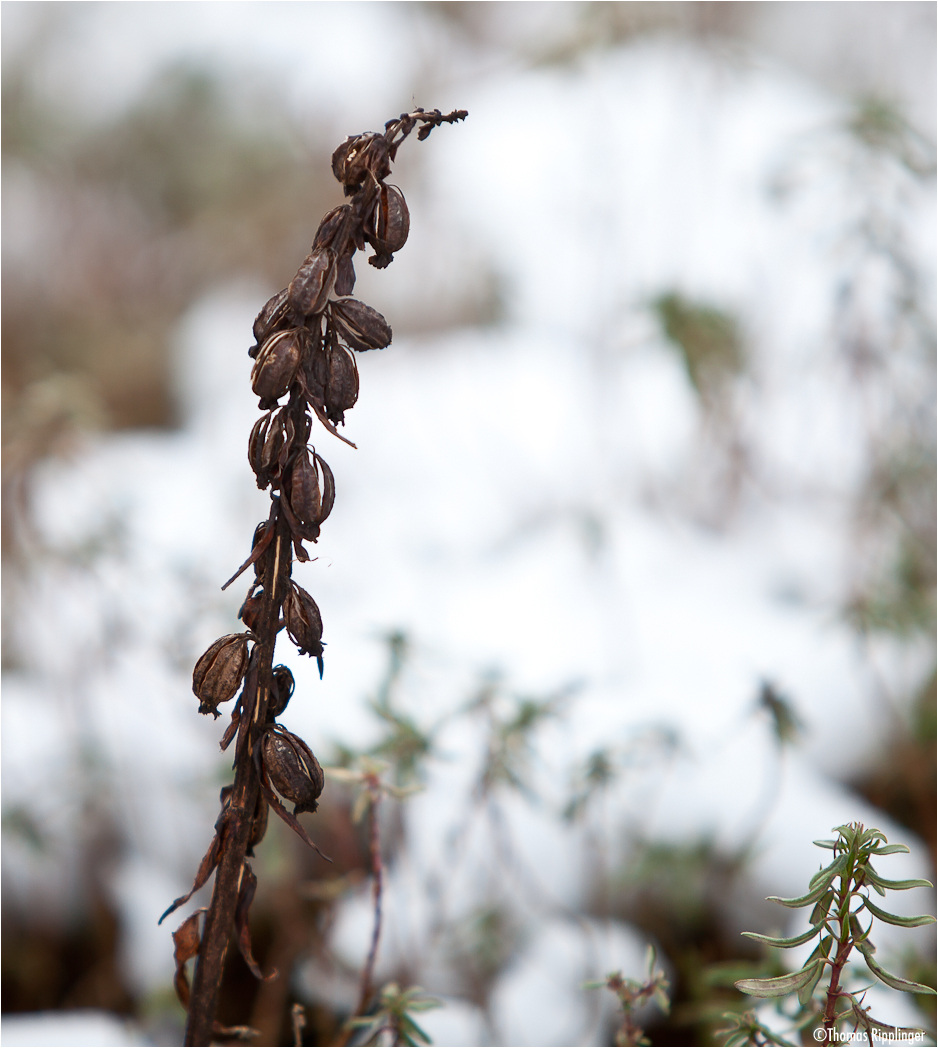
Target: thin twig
[{"x": 376, "y": 893}]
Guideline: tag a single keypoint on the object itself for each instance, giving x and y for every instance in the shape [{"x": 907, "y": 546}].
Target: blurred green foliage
[{"x": 708, "y": 339}]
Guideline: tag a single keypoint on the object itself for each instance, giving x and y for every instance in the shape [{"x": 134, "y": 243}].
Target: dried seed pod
[
  {"x": 310, "y": 288},
  {"x": 388, "y": 223},
  {"x": 274, "y": 316},
  {"x": 259, "y": 824},
  {"x": 276, "y": 366},
  {"x": 345, "y": 273},
  {"x": 304, "y": 623},
  {"x": 260, "y": 565},
  {"x": 292, "y": 768},
  {"x": 330, "y": 226},
  {"x": 265, "y": 446},
  {"x": 251, "y": 610},
  {"x": 328, "y": 487},
  {"x": 219, "y": 672},
  {"x": 305, "y": 496},
  {"x": 361, "y": 326},
  {"x": 341, "y": 381},
  {"x": 358, "y": 156},
  {"x": 281, "y": 690}
]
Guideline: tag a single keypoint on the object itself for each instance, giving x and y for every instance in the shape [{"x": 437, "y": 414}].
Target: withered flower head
[
  {"x": 359, "y": 156},
  {"x": 281, "y": 689},
  {"x": 219, "y": 672},
  {"x": 310, "y": 288},
  {"x": 275, "y": 366},
  {"x": 292, "y": 769},
  {"x": 359, "y": 325}
]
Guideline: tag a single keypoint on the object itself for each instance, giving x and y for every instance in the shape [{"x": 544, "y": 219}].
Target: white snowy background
[{"x": 544, "y": 497}]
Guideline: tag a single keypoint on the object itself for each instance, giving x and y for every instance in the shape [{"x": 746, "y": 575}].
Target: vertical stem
[
  {"x": 377, "y": 887},
  {"x": 237, "y": 831},
  {"x": 376, "y": 895},
  {"x": 844, "y": 946}
]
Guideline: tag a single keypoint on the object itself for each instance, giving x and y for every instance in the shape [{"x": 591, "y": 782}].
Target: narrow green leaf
[
  {"x": 819, "y": 913},
  {"x": 829, "y": 872},
  {"x": 896, "y": 886},
  {"x": 807, "y": 991},
  {"x": 822, "y": 949},
  {"x": 818, "y": 888},
  {"x": 895, "y": 981},
  {"x": 848, "y": 837},
  {"x": 856, "y": 929},
  {"x": 777, "y": 987},
  {"x": 890, "y": 849},
  {"x": 830, "y": 845},
  {"x": 785, "y": 944},
  {"x": 901, "y": 922},
  {"x": 865, "y": 947},
  {"x": 412, "y": 1028}
]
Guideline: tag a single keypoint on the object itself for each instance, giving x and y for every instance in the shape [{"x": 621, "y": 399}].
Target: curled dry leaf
[
  {"x": 186, "y": 940},
  {"x": 209, "y": 860},
  {"x": 242, "y": 928}
]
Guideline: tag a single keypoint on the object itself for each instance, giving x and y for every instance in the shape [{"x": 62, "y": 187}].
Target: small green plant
[
  {"x": 635, "y": 995},
  {"x": 840, "y": 895},
  {"x": 392, "y": 1022}
]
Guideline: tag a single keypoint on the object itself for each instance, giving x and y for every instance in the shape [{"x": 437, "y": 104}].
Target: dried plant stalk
[{"x": 306, "y": 340}]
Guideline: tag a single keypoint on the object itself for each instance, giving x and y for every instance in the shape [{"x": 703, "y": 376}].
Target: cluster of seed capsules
[{"x": 306, "y": 339}]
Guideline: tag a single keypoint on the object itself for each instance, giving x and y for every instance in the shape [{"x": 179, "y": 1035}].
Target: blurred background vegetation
[{"x": 115, "y": 226}]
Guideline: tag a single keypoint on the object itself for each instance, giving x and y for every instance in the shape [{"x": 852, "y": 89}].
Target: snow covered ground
[{"x": 542, "y": 497}]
